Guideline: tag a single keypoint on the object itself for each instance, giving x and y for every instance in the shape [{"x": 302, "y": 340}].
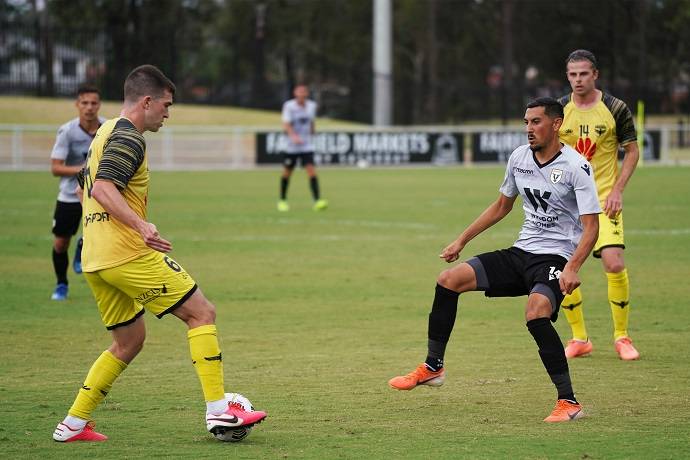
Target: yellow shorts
[
  {"x": 610, "y": 233},
  {"x": 153, "y": 282}
]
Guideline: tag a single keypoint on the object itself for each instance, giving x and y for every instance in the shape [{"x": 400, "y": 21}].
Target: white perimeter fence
[{"x": 28, "y": 147}]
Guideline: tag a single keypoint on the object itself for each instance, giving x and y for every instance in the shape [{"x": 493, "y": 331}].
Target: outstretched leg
[{"x": 450, "y": 284}]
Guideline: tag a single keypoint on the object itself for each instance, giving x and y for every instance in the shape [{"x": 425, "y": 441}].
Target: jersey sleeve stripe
[{"x": 122, "y": 156}]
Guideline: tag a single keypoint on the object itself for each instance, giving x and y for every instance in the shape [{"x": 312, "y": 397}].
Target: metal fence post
[
  {"x": 17, "y": 144},
  {"x": 167, "y": 147}
]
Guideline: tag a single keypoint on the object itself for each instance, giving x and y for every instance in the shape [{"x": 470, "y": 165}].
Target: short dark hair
[
  {"x": 147, "y": 80},
  {"x": 552, "y": 108},
  {"x": 582, "y": 55},
  {"x": 87, "y": 89}
]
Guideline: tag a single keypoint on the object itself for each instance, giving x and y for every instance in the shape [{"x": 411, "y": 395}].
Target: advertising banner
[{"x": 370, "y": 148}]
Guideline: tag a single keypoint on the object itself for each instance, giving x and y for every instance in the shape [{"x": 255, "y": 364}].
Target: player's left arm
[
  {"x": 627, "y": 138},
  {"x": 614, "y": 202},
  {"x": 569, "y": 278}
]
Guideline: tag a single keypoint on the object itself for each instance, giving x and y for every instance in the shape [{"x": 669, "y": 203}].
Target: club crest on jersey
[{"x": 556, "y": 175}]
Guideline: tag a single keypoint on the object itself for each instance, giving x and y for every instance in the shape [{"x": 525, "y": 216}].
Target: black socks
[
  {"x": 552, "y": 356},
  {"x": 314, "y": 186},
  {"x": 60, "y": 263},
  {"x": 284, "y": 181},
  {"x": 441, "y": 322}
]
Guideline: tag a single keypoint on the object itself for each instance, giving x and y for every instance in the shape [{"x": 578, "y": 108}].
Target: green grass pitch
[{"x": 316, "y": 311}]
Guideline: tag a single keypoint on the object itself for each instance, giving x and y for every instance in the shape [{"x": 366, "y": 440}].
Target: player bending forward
[
  {"x": 125, "y": 264},
  {"x": 560, "y": 228}
]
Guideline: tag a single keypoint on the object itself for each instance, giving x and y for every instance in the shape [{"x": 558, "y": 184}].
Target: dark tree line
[{"x": 454, "y": 60}]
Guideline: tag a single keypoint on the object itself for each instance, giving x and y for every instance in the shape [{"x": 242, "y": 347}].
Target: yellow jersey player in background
[
  {"x": 595, "y": 125},
  {"x": 125, "y": 264}
]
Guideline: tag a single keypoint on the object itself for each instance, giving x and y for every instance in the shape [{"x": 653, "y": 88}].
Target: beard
[{"x": 536, "y": 147}]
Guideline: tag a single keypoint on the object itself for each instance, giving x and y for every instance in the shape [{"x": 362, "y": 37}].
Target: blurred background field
[{"x": 317, "y": 310}]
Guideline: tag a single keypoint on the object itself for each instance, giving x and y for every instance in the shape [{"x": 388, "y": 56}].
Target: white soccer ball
[
  {"x": 362, "y": 163},
  {"x": 236, "y": 434}
]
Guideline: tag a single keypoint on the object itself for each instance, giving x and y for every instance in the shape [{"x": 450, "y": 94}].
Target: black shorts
[
  {"x": 290, "y": 160},
  {"x": 513, "y": 272},
  {"x": 66, "y": 219}
]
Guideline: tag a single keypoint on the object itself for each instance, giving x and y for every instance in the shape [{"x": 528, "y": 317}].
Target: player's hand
[
  {"x": 296, "y": 139},
  {"x": 614, "y": 203},
  {"x": 568, "y": 281},
  {"x": 153, "y": 239},
  {"x": 451, "y": 252}
]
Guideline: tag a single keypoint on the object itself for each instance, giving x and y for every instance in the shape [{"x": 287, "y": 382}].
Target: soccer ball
[{"x": 236, "y": 434}]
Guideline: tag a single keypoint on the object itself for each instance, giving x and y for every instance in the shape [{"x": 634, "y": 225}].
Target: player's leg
[
  {"x": 76, "y": 262},
  {"x": 619, "y": 301},
  {"x": 288, "y": 167},
  {"x": 319, "y": 203},
  {"x": 449, "y": 285},
  {"x": 541, "y": 304},
  {"x": 60, "y": 264},
  {"x": 124, "y": 320},
  {"x": 162, "y": 286},
  {"x": 545, "y": 298},
  {"x": 200, "y": 315},
  {"x": 579, "y": 345},
  {"x": 65, "y": 224},
  {"x": 610, "y": 248}
]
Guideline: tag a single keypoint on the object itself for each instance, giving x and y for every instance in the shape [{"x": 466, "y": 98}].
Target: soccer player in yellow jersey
[
  {"x": 595, "y": 124},
  {"x": 125, "y": 265}
]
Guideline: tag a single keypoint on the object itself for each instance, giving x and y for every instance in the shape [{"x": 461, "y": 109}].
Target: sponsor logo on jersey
[
  {"x": 586, "y": 147},
  {"x": 544, "y": 221},
  {"x": 556, "y": 175},
  {"x": 600, "y": 129},
  {"x": 568, "y": 131},
  {"x": 148, "y": 296},
  {"x": 522, "y": 171},
  {"x": 96, "y": 217},
  {"x": 585, "y": 168}
]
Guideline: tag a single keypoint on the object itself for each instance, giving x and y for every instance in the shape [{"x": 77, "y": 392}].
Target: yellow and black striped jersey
[
  {"x": 117, "y": 155},
  {"x": 596, "y": 133}
]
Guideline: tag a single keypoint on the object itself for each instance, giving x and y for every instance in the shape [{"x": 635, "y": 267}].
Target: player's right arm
[
  {"x": 121, "y": 158},
  {"x": 108, "y": 196},
  {"x": 59, "y": 154},
  {"x": 287, "y": 125},
  {"x": 58, "y": 168},
  {"x": 491, "y": 215}
]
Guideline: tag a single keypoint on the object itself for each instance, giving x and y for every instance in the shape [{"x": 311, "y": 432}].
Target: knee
[
  {"x": 127, "y": 351},
  {"x": 612, "y": 260},
  {"x": 445, "y": 279},
  {"x": 534, "y": 313},
  {"x": 61, "y": 245},
  {"x": 208, "y": 313},
  {"x": 204, "y": 314},
  {"x": 614, "y": 266}
]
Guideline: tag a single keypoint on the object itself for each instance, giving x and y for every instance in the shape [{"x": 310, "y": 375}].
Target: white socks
[{"x": 216, "y": 407}]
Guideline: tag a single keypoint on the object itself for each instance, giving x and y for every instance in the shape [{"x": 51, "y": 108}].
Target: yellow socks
[
  {"x": 207, "y": 360},
  {"x": 572, "y": 307},
  {"x": 98, "y": 382},
  {"x": 619, "y": 300}
]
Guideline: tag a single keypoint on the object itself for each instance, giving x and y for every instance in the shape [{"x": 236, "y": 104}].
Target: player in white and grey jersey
[
  {"x": 560, "y": 228},
  {"x": 554, "y": 196},
  {"x": 67, "y": 158},
  {"x": 299, "y": 115}
]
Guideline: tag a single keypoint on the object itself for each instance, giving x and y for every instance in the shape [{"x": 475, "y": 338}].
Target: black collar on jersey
[
  {"x": 534, "y": 157},
  {"x": 88, "y": 133}
]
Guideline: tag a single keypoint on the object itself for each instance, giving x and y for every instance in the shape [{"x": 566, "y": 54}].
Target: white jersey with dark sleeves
[
  {"x": 72, "y": 146},
  {"x": 554, "y": 196},
  {"x": 301, "y": 118}
]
